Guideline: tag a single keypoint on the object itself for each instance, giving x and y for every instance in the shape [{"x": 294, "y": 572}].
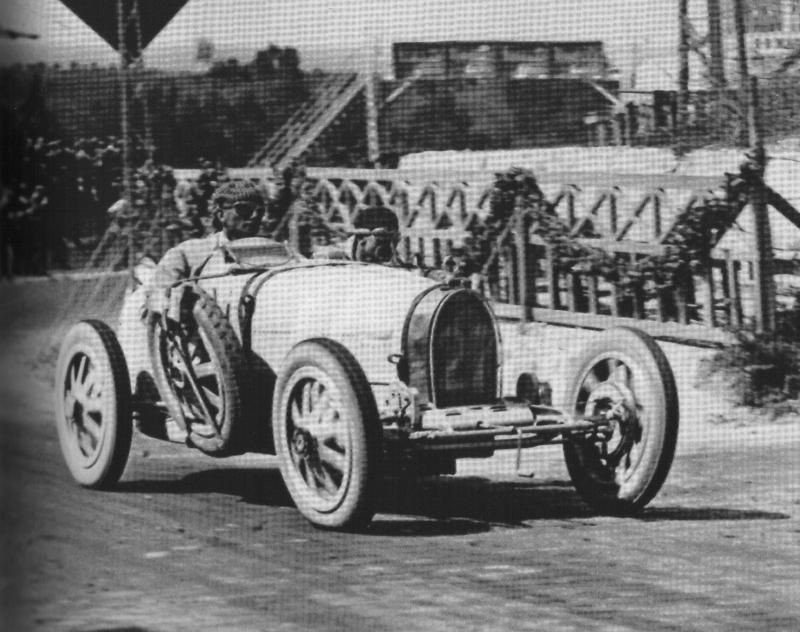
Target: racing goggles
[
  {"x": 377, "y": 232},
  {"x": 245, "y": 210}
]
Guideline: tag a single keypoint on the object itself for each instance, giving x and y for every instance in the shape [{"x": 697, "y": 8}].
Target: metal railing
[{"x": 309, "y": 121}]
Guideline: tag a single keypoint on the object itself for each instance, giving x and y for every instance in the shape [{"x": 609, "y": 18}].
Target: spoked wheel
[
  {"x": 327, "y": 435},
  {"x": 197, "y": 367},
  {"x": 93, "y": 405},
  {"x": 624, "y": 378},
  {"x": 194, "y": 379}
]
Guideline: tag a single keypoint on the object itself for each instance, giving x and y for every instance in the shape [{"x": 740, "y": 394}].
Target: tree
[
  {"x": 205, "y": 51},
  {"x": 290, "y": 63},
  {"x": 228, "y": 69},
  {"x": 267, "y": 61},
  {"x": 276, "y": 61}
]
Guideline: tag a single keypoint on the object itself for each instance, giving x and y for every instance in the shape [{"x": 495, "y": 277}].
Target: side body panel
[{"x": 363, "y": 307}]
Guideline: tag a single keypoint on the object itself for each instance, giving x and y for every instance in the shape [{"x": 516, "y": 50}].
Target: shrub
[{"x": 761, "y": 368}]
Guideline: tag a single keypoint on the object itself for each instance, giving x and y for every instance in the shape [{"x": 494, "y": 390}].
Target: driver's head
[
  {"x": 238, "y": 209},
  {"x": 376, "y": 234}
]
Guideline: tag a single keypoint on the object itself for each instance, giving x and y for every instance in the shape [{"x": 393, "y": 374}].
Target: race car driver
[{"x": 237, "y": 209}]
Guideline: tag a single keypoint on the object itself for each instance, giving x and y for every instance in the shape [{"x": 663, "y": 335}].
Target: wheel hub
[
  {"x": 303, "y": 443},
  {"x": 615, "y": 402},
  {"x": 176, "y": 368},
  {"x": 612, "y": 400}
]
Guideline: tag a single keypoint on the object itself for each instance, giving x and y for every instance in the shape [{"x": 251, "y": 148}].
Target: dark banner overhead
[{"x": 101, "y": 16}]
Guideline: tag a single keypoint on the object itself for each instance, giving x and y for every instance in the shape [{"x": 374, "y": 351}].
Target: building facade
[
  {"x": 772, "y": 31},
  {"x": 501, "y": 60}
]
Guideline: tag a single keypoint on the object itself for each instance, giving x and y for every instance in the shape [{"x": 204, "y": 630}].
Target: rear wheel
[
  {"x": 327, "y": 435},
  {"x": 93, "y": 405},
  {"x": 623, "y": 377}
]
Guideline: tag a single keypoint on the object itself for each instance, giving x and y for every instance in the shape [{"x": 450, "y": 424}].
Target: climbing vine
[{"x": 691, "y": 239}]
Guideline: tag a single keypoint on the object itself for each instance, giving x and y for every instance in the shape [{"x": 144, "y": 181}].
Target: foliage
[
  {"x": 276, "y": 61},
  {"x": 719, "y": 118},
  {"x": 225, "y": 114},
  {"x": 691, "y": 239},
  {"x": 761, "y": 367},
  {"x": 756, "y": 367}
]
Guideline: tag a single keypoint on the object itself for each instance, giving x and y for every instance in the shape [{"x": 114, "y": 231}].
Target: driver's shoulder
[
  {"x": 331, "y": 252},
  {"x": 189, "y": 252},
  {"x": 208, "y": 242}
]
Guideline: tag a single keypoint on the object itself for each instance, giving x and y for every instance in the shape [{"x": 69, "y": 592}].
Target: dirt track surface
[{"x": 192, "y": 543}]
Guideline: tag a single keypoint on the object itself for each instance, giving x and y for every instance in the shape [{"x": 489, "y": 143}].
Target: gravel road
[{"x": 192, "y": 543}]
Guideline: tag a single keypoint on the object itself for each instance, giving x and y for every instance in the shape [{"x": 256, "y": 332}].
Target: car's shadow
[
  {"x": 257, "y": 486},
  {"x": 446, "y": 505}
]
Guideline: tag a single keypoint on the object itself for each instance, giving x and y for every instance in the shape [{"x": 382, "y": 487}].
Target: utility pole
[
  {"x": 752, "y": 135},
  {"x": 716, "y": 65},
  {"x": 370, "y": 98},
  {"x": 744, "y": 72},
  {"x": 683, "y": 69},
  {"x": 764, "y": 268},
  {"x": 635, "y": 68},
  {"x": 133, "y": 86},
  {"x": 124, "y": 62},
  {"x": 716, "y": 53}
]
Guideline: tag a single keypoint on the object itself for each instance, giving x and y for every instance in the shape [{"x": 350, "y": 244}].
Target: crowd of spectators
[
  {"x": 56, "y": 201},
  {"x": 69, "y": 208},
  {"x": 63, "y": 210}
]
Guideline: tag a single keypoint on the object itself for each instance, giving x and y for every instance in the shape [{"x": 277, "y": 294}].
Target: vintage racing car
[{"x": 349, "y": 372}]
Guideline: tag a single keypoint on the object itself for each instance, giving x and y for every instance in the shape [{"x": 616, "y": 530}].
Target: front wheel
[
  {"x": 327, "y": 435},
  {"x": 93, "y": 405},
  {"x": 624, "y": 378},
  {"x": 198, "y": 368}
]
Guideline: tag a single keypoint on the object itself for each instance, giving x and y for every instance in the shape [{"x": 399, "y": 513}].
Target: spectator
[
  {"x": 6, "y": 246},
  {"x": 20, "y": 232},
  {"x": 304, "y": 225},
  {"x": 188, "y": 216},
  {"x": 206, "y": 183},
  {"x": 79, "y": 180},
  {"x": 121, "y": 237},
  {"x": 291, "y": 186},
  {"x": 36, "y": 230}
]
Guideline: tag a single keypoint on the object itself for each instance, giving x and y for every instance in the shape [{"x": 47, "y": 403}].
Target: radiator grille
[{"x": 464, "y": 349}]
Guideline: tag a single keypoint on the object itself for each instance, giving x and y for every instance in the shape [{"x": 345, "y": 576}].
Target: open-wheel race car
[{"x": 350, "y": 372}]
